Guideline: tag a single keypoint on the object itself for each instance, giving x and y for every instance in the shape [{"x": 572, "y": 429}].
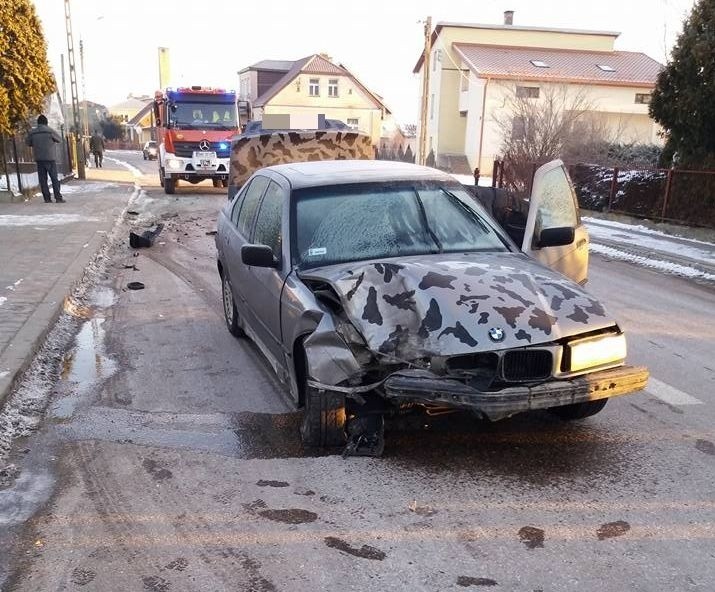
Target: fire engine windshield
[{"x": 190, "y": 115}]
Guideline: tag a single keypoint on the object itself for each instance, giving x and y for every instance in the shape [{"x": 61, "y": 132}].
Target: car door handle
[{"x": 581, "y": 243}]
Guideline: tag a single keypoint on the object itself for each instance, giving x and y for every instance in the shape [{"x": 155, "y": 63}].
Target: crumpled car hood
[{"x": 443, "y": 305}]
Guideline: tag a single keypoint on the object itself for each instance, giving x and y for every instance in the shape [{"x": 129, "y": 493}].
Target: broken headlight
[{"x": 596, "y": 351}]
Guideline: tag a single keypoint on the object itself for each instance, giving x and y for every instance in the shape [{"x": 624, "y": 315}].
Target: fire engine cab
[{"x": 194, "y": 129}]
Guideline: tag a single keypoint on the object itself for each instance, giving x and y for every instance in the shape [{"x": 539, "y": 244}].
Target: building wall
[
  {"x": 624, "y": 119},
  {"x": 448, "y": 129},
  {"x": 351, "y": 103}
]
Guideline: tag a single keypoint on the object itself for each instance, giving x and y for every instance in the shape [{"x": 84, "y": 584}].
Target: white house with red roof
[
  {"x": 477, "y": 70},
  {"x": 309, "y": 87}
]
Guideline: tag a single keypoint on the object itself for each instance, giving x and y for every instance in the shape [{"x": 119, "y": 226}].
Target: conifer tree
[
  {"x": 25, "y": 75},
  {"x": 684, "y": 98}
]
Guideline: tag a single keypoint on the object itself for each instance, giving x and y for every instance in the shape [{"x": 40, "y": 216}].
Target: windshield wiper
[
  {"x": 426, "y": 222},
  {"x": 472, "y": 214}
]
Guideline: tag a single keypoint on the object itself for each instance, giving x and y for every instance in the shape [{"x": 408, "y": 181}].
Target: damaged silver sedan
[{"x": 374, "y": 287}]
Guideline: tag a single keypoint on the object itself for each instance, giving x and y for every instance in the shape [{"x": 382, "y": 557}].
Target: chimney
[{"x": 508, "y": 17}]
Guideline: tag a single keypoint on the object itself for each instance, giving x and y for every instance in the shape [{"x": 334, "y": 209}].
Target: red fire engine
[{"x": 194, "y": 129}]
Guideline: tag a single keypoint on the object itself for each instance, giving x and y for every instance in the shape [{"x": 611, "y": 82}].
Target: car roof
[{"x": 341, "y": 172}]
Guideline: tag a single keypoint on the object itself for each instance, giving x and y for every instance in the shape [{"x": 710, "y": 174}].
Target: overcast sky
[{"x": 378, "y": 40}]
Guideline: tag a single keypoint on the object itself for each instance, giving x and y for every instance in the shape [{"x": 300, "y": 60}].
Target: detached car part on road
[{"x": 375, "y": 287}]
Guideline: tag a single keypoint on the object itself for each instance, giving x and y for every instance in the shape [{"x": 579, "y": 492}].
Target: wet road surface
[{"x": 170, "y": 459}]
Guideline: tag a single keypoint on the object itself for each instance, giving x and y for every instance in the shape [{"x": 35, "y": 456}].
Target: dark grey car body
[{"x": 393, "y": 325}]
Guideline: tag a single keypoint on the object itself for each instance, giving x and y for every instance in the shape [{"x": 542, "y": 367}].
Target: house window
[
  {"x": 539, "y": 64},
  {"x": 605, "y": 67},
  {"x": 643, "y": 98},
  {"x": 353, "y": 123},
  {"x": 333, "y": 87},
  {"x": 314, "y": 87},
  {"x": 527, "y": 92},
  {"x": 431, "y": 107}
]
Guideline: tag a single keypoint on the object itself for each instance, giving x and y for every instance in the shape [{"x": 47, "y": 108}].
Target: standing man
[
  {"x": 96, "y": 145},
  {"x": 42, "y": 139}
]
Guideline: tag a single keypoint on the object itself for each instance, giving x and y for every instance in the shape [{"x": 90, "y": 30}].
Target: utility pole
[
  {"x": 84, "y": 89},
  {"x": 64, "y": 86},
  {"x": 79, "y": 148},
  {"x": 422, "y": 154}
]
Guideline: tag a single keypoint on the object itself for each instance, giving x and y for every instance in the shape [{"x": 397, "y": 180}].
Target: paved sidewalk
[{"x": 44, "y": 251}]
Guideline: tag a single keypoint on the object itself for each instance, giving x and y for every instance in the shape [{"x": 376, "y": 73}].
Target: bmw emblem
[{"x": 496, "y": 334}]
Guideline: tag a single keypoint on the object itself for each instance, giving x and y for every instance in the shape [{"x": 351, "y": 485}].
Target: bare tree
[{"x": 541, "y": 125}]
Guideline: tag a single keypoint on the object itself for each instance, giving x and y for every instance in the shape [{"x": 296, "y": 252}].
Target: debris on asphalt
[
  {"x": 146, "y": 238},
  {"x": 135, "y": 286},
  {"x": 211, "y": 232}
]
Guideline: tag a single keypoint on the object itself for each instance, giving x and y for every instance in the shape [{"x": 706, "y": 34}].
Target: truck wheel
[
  {"x": 161, "y": 176},
  {"x": 224, "y": 182},
  {"x": 216, "y": 182},
  {"x": 579, "y": 410},
  {"x": 169, "y": 186},
  {"x": 229, "y": 308}
]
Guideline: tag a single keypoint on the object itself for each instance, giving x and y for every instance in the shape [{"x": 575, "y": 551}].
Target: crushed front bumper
[{"x": 421, "y": 386}]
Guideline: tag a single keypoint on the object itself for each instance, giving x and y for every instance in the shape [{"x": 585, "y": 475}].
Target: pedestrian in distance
[
  {"x": 42, "y": 139},
  {"x": 96, "y": 145}
]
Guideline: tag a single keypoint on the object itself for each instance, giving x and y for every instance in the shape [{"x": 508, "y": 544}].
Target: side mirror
[
  {"x": 258, "y": 256},
  {"x": 555, "y": 237}
]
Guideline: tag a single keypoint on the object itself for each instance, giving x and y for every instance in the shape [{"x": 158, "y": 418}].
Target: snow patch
[
  {"x": 469, "y": 180},
  {"x": 641, "y": 229},
  {"x": 656, "y": 264},
  {"x": 131, "y": 168},
  {"x": 655, "y": 243},
  {"x": 44, "y": 220},
  {"x": 3, "y": 300}
]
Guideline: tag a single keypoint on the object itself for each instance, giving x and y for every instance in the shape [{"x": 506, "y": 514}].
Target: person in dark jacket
[
  {"x": 42, "y": 139},
  {"x": 96, "y": 145}
]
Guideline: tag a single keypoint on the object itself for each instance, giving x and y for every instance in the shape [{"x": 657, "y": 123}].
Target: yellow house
[
  {"x": 135, "y": 113},
  {"x": 310, "y": 87},
  {"x": 475, "y": 69}
]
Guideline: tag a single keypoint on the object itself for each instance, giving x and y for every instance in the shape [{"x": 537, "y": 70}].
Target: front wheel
[
  {"x": 161, "y": 176},
  {"x": 216, "y": 182},
  {"x": 323, "y": 416},
  {"x": 224, "y": 182},
  {"x": 169, "y": 186},
  {"x": 579, "y": 410},
  {"x": 229, "y": 309}
]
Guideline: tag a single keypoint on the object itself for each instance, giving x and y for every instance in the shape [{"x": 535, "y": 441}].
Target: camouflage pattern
[
  {"x": 444, "y": 306},
  {"x": 250, "y": 153}
]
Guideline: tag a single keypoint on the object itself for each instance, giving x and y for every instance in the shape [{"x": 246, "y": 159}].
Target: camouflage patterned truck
[{"x": 250, "y": 152}]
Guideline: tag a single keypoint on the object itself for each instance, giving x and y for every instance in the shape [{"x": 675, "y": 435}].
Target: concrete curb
[{"x": 22, "y": 350}]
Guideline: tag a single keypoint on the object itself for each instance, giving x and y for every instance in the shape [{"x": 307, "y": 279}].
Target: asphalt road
[{"x": 172, "y": 459}]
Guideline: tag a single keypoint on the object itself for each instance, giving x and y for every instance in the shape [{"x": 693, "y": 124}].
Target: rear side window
[
  {"x": 268, "y": 223},
  {"x": 250, "y": 201}
]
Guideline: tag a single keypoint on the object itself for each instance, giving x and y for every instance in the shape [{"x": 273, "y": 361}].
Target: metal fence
[
  {"x": 668, "y": 195},
  {"x": 16, "y": 160}
]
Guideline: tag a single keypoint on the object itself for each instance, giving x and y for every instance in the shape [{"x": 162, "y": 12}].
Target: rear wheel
[
  {"x": 579, "y": 410},
  {"x": 323, "y": 415},
  {"x": 229, "y": 309},
  {"x": 224, "y": 182},
  {"x": 216, "y": 182}
]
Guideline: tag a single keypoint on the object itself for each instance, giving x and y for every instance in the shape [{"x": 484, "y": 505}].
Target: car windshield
[
  {"x": 194, "y": 115},
  {"x": 343, "y": 223}
]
